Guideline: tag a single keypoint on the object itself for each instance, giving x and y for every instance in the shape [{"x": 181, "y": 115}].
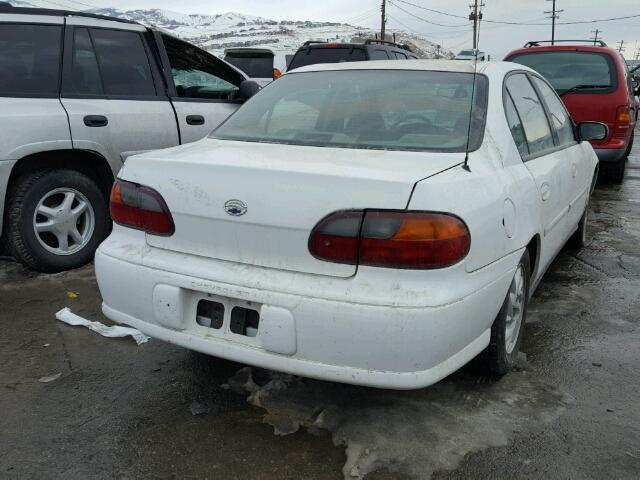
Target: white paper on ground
[{"x": 65, "y": 315}]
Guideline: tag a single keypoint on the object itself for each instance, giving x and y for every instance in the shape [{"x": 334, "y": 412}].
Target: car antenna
[{"x": 473, "y": 94}]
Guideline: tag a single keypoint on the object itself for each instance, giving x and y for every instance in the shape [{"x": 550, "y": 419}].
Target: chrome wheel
[
  {"x": 64, "y": 221},
  {"x": 515, "y": 309}
]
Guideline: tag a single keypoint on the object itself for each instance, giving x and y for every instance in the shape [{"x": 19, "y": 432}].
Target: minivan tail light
[
  {"x": 140, "y": 207},
  {"x": 623, "y": 121},
  {"x": 391, "y": 239}
]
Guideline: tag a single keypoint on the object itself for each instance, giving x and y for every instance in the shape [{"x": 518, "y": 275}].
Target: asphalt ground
[{"x": 112, "y": 409}]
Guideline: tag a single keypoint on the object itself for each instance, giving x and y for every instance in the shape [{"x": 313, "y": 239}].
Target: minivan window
[
  {"x": 566, "y": 70},
  {"x": 374, "y": 109},
  {"x": 30, "y": 60},
  {"x": 559, "y": 117},
  {"x": 254, "y": 64},
  {"x": 123, "y": 61},
  {"x": 327, "y": 54},
  {"x": 532, "y": 114}
]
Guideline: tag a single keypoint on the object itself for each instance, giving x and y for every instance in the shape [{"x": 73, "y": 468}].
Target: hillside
[{"x": 217, "y": 32}]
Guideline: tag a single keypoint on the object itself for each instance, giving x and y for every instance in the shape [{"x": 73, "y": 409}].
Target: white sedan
[{"x": 374, "y": 223}]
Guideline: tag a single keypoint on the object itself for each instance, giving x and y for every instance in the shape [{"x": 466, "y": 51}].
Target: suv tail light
[
  {"x": 623, "y": 121},
  {"x": 140, "y": 207},
  {"x": 411, "y": 240}
]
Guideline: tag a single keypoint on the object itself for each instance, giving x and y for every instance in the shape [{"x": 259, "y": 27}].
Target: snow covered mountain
[{"x": 217, "y": 32}]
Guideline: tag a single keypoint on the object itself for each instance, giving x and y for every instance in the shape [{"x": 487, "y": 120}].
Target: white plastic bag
[{"x": 65, "y": 315}]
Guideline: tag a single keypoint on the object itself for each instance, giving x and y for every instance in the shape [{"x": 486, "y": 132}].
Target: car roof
[
  {"x": 8, "y": 9},
  {"x": 418, "y": 65},
  {"x": 563, "y": 48}
]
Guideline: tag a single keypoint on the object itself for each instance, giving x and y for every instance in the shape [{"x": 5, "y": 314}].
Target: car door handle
[
  {"x": 195, "y": 120},
  {"x": 96, "y": 121},
  {"x": 545, "y": 191}
]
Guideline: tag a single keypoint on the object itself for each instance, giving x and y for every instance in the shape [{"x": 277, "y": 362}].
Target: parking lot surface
[{"x": 78, "y": 405}]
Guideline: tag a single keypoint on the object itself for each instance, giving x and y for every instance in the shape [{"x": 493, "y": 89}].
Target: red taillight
[
  {"x": 416, "y": 240},
  {"x": 623, "y": 121},
  {"x": 140, "y": 207},
  {"x": 330, "y": 45},
  {"x": 335, "y": 238}
]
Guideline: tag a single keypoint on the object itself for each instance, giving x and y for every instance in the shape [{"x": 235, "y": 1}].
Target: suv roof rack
[
  {"x": 6, "y": 7},
  {"x": 537, "y": 43},
  {"x": 311, "y": 42},
  {"x": 371, "y": 41}
]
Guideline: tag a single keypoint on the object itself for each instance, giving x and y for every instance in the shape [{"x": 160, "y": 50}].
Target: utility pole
[
  {"x": 595, "y": 36},
  {"x": 554, "y": 15},
  {"x": 475, "y": 16},
  {"x": 383, "y": 23},
  {"x": 621, "y": 46}
]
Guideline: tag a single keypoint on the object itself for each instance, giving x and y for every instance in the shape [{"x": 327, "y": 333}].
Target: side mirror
[
  {"x": 592, "y": 131},
  {"x": 248, "y": 88}
]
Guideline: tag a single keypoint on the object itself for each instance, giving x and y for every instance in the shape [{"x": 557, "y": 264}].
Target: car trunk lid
[{"x": 256, "y": 203}]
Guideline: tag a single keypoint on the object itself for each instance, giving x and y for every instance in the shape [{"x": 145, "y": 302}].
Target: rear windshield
[
  {"x": 567, "y": 70},
  {"x": 312, "y": 56},
  {"x": 379, "y": 109},
  {"x": 255, "y": 65}
]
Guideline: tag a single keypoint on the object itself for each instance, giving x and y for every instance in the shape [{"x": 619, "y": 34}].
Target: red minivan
[{"x": 595, "y": 84}]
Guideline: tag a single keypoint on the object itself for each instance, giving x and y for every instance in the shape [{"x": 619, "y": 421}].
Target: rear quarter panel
[
  {"x": 497, "y": 198},
  {"x": 28, "y": 126}
]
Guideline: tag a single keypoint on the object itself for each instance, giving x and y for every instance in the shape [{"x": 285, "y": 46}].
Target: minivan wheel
[
  {"x": 507, "y": 329},
  {"x": 616, "y": 170},
  {"x": 55, "y": 220}
]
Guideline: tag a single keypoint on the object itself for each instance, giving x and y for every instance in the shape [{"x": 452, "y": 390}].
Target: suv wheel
[{"x": 55, "y": 220}]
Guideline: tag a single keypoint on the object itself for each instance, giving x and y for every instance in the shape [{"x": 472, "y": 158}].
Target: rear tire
[
  {"x": 616, "y": 170},
  {"x": 73, "y": 223},
  {"x": 507, "y": 329}
]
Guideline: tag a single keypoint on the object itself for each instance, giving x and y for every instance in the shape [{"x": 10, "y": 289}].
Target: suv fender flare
[{"x": 88, "y": 162}]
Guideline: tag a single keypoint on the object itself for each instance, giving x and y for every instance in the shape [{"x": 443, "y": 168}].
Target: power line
[
  {"x": 424, "y": 19},
  {"x": 505, "y": 22}
]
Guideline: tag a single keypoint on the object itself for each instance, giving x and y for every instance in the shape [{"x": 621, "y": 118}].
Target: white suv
[{"x": 78, "y": 94}]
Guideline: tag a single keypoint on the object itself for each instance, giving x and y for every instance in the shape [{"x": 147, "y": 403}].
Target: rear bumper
[
  {"x": 610, "y": 155},
  {"x": 375, "y": 345}
]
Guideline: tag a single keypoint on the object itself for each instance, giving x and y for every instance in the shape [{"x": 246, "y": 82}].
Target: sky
[{"x": 455, "y": 33}]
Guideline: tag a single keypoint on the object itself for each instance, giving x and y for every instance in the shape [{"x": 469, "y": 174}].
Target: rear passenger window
[
  {"x": 515, "y": 126},
  {"x": 532, "y": 114},
  {"x": 30, "y": 60},
  {"x": 379, "y": 54},
  {"x": 123, "y": 63},
  {"x": 559, "y": 117},
  {"x": 85, "y": 74}
]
